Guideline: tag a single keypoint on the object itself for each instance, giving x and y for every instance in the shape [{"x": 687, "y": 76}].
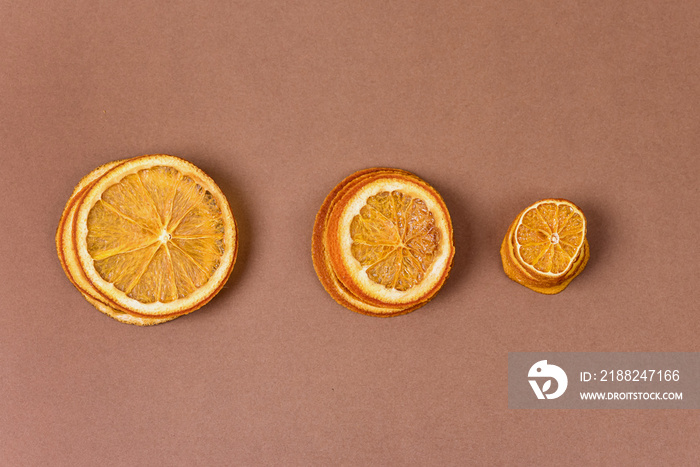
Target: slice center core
[{"x": 164, "y": 236}]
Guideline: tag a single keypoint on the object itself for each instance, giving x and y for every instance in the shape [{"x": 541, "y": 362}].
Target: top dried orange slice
[
  {"x": 389, "y": 240},
  {"x": 155, "y": 236},
  {"x": 321, "y": 257},
  {"x": 546, "y": 246},
  {"x": 549, "y": 236}
]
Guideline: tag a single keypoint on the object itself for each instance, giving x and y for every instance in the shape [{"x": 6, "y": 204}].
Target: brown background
[{"x": 497, "y": 104}]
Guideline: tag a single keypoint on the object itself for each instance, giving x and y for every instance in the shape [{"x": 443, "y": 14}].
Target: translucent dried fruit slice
[
  {"x": 321, "y": 258},
  {"x": 388, "y": 238},
  {"x": 155, "y": 236},
  {"x": 549, "y": 236},
  {"x": 546, "y": 246}
]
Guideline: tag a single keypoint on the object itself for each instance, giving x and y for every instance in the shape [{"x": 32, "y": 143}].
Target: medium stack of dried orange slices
[
  {"x": 382, "y": 242},
  {"x": 546, "y": 246},
  {"x": 147, "y": 239}
]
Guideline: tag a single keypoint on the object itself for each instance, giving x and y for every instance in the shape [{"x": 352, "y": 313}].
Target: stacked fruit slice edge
[
  {"x": 337, "y": 247},
  {"x": 176, "y": 254},
  {"x": 546, "y": 247}
]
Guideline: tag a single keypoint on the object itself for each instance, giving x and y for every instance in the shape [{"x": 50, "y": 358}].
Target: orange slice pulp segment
[{"x": 394, "y": 236}]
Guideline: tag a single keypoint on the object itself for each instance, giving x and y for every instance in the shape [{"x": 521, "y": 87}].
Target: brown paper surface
[{"x": 496, "y": 104}]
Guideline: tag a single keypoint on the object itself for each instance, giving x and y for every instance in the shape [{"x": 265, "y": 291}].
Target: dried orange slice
[
  {"x": 321, "y": 259},
  {"x": 382, "y": 242},
  {"x": 152, "y": 237},
  {"x": 546, "y": 247}
]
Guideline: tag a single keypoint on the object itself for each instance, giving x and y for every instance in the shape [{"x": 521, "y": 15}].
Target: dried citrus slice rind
[
  {"x": 545, "y": 248},
  {"x": 125, "y": 317},
  {"x": 151, "y": 237},
  {"x": 382, "y": 242}
]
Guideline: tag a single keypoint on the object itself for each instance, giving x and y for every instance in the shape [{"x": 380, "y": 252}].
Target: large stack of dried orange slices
[
  {"x": 545, "y": 247},
  {"x": 147, "y": 239},
  {"x": 382, "y": 242}
]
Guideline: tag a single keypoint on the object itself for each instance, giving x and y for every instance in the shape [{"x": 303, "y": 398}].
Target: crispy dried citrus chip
[
  {"x": 549, "y": 236},
  {"x": 321, "y": 259},
  {"x": 155, "y": 237},
  {"x": 382, "y": 242},
  {"x": 546, "y": 246}
]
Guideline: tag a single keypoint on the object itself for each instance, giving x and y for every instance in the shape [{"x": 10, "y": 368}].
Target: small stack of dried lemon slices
[
  {"x": 147, "y": 239},
  {"x": 546, "y": 246},
  {"x": 382, "y": 242}
]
